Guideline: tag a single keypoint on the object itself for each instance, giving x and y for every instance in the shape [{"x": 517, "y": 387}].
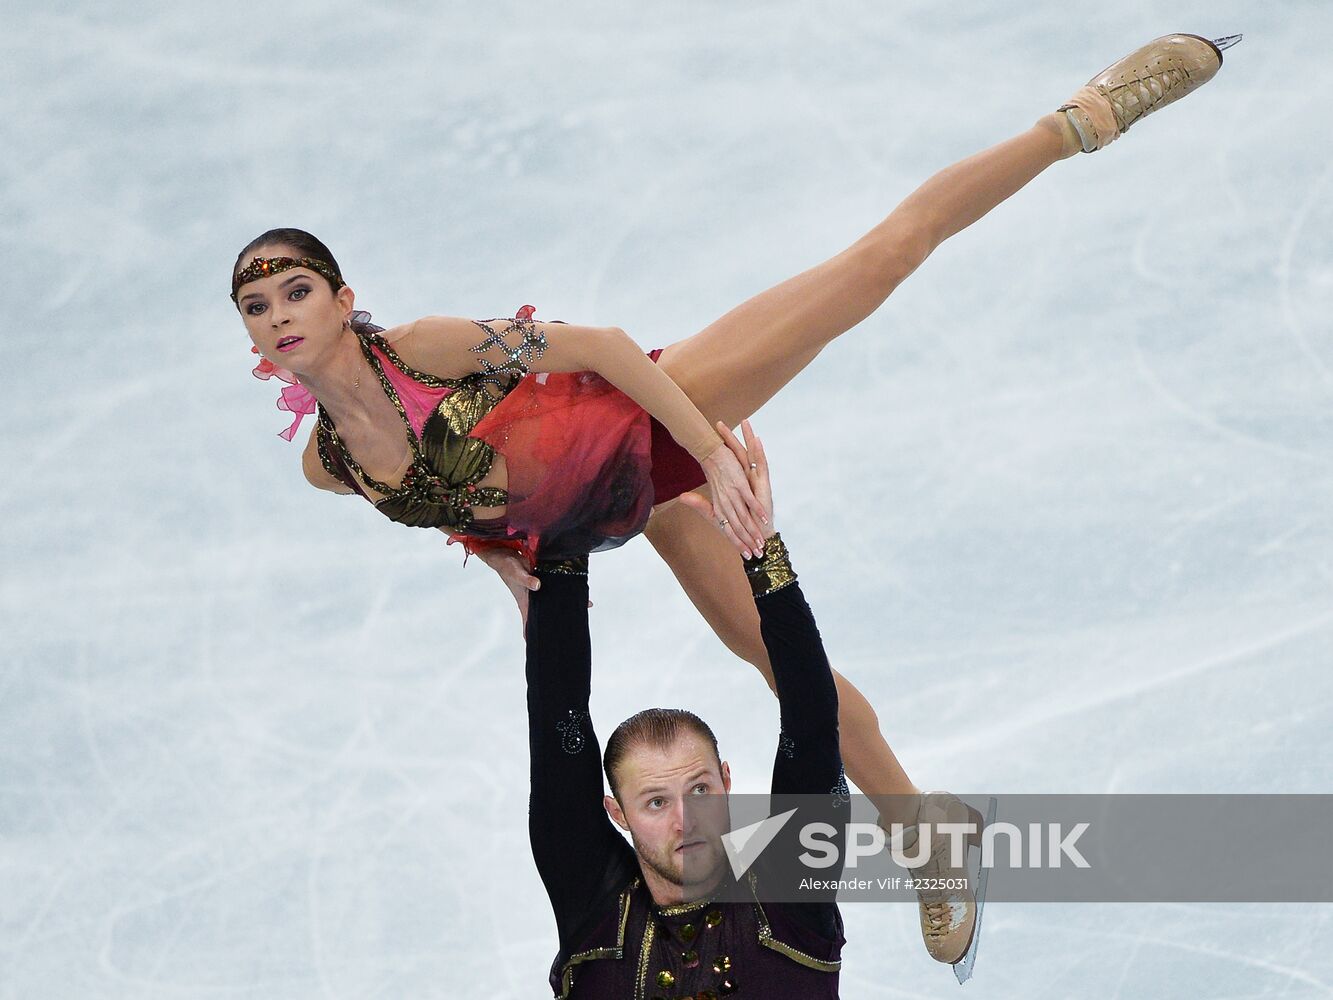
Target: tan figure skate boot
[
  {"x": 948, "y": 912},
  {"x": 1164, "y": 70}
]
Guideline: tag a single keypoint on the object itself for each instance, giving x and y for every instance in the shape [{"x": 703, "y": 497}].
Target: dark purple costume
[{"x": 615, "y": 942}]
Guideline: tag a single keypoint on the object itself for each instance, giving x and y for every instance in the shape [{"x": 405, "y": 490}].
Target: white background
[{"x": 1061, "y": 506}]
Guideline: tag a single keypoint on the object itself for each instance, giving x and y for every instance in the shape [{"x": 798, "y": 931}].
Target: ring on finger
[{"x": 722, "y": 522}]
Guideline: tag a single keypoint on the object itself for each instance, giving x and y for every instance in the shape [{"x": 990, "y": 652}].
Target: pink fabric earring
[{"x": 294, "y": 398}]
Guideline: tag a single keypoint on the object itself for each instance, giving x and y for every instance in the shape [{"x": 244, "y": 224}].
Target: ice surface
[{"x": 259, "y": 742}]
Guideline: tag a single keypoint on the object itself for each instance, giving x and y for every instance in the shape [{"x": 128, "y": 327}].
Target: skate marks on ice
[
  {"x": 1319, "y": 282},
  {"x": 1128, "y": 683}
]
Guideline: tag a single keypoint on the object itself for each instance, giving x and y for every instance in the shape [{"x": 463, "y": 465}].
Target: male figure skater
[{"x": 647, "y": 921}]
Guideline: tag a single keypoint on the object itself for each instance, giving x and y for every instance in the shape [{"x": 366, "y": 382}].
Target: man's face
[{"x": 673, "y": 803}]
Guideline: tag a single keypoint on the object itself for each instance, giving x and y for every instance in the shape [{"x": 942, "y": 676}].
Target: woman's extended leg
[
  {"x": 738, "y": 363},
  {"x": 705, "y": 563},
  {"x": 734, "y": 366}
]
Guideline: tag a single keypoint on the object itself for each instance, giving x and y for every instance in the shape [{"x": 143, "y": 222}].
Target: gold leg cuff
[
  {"x": 577, "y": 566},
  {"x": 771, "y": 569}
]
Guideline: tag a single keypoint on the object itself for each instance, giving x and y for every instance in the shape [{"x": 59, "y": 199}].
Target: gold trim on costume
[
  {"x": 649, "y": 932},
  {"x": 679, "y": 908},
  {"x": 767, "y": 939},
  {"x": 576, "y": 566},
  {"x": 567, "y": 973},
  {"x": 426, "y": 378}
]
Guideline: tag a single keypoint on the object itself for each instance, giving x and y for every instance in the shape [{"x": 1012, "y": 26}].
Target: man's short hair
[{"x": 654, "y": 727}]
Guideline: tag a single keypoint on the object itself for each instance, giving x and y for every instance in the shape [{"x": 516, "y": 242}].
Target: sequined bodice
[{"x": 440, "y": 487}]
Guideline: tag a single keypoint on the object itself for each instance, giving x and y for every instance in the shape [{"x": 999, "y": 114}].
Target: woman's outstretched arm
[{"x": 452, "y": 347}]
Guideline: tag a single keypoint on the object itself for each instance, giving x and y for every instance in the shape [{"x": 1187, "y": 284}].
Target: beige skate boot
[
  {"x": 1163, "y": 71},
  {"x": 946, "y": 899}
]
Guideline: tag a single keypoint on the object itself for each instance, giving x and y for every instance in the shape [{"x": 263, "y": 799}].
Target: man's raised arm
[
  {"x": 808, "y": 760},
  {"x": 582, "y": 860}
]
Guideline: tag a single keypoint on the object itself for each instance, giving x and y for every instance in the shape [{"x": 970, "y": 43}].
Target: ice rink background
[{"x": 258, "y": 742}]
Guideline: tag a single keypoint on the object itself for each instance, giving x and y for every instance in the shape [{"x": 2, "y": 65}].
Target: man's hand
[
  {"x": 513, "y": 570},
  {"x": 752, "y": 455}
]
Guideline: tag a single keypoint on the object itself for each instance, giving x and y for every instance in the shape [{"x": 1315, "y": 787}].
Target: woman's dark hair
[
  {"x": 299, "y": 240},
  {"x": 656, "y": 727},
  {"x": 305, "y": 245}
]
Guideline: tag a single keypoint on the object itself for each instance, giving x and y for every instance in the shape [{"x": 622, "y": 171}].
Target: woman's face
[{"x": 294, "y": 317}]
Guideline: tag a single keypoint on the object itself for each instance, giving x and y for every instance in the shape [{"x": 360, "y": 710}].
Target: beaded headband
[{"x": 262, "y": 267}]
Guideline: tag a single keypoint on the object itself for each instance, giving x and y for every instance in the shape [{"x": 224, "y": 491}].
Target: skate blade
[
  {"x": 1226, "y": 41},
  {"x": 962, "y": 969}
]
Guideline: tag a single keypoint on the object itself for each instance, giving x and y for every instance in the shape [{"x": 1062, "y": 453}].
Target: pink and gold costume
[{"x": 585, "y": 463}]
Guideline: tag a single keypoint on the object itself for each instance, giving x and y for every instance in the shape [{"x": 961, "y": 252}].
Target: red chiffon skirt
[{"x": 586, "y": 463}]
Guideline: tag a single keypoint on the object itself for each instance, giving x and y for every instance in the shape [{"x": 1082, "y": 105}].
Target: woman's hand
[
  {"x": 757, "y": 489},
  {"x": 513, "y": 570}
]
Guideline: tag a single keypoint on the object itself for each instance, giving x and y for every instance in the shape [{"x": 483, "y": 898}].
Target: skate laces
[
  {"x": 1139, "y": 95},
  {"x": 937, "y": 904}
]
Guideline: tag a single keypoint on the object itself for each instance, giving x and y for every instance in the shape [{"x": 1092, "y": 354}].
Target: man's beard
[{"x": 694, "y": 874}]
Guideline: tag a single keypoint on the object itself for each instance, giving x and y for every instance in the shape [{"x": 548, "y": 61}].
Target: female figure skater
[{"x": 521, "y": 437}]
